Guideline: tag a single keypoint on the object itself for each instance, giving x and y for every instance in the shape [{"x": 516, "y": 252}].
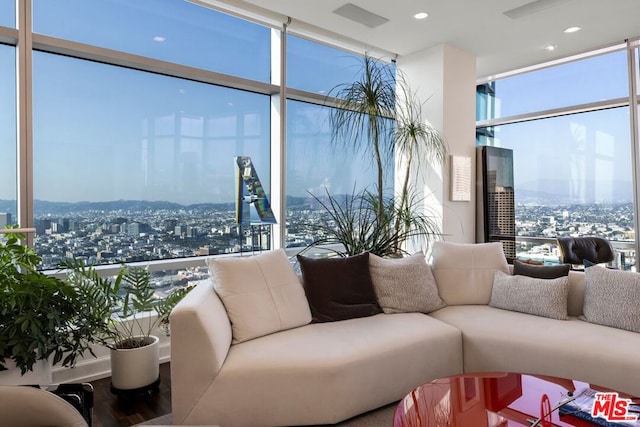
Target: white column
[
  {"x": 444, "y": 77},
  {"x": 278, "y": 138}
]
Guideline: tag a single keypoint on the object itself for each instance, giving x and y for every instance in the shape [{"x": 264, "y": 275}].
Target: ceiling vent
[
  {"x": 531, "y": 8},
  {"x": 360, "y": 15}
]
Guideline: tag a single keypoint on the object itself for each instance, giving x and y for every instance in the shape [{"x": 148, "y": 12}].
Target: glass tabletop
[{"x": 511, "y": 399}]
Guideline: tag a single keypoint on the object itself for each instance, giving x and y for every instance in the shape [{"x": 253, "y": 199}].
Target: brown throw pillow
[
  {"x": 338, "y": 288},
  {"x": 540, "y": 271}
]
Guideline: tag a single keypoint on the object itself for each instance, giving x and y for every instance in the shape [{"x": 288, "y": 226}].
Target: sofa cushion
[
  {"x": 540, "y": 271},
  {"x": 261, "y": 294},
  {"x": 541, "y": 297},
  {"x": 339, "y": 288},
  {"x": 612, "y": 298},
  {"x": 324, "y": 373},
  {"x": 464, "y": 271},
  {"x": 404, "y": 284},
  {"x": 506, "y": 341}
]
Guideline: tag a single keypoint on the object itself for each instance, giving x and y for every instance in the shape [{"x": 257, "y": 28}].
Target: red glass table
[{"x": 506, "y": 399}]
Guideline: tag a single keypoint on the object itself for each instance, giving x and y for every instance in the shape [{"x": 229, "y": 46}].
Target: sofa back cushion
[
  {"x": 464, "y": 271},
  {"x": 339, "y": 288},
  {"x": 262, "y": 294},
  {"x": 404, "y": 285},
  {"x": 575, "y": 301}
]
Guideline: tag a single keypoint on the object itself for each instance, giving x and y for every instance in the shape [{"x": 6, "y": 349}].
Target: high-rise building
[
  {"x": 5, "y": 219},
  {"x": 495, "y": 211},
  {"x": 501, "y": 218}
]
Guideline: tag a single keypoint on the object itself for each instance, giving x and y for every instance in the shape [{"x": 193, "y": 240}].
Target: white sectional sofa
[{"x": 323, "y": 373}]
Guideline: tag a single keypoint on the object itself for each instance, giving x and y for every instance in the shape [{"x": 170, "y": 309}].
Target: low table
[{"x": 504, "y": 399}]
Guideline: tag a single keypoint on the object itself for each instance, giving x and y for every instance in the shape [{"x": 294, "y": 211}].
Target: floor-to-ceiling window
[
  {"x": 139, "y": 166},
  {"x": 317, "y": 166},
  {"x": 8, "y": 176},
  {"x": 133, "y": 115},
  {"x": 8, "y": 13},
  {"x": 176, "y": 31},
  {"x": 568, "y": 126}
]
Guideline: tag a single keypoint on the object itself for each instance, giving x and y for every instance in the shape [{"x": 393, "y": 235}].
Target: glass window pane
[
  {"x": 8, "y": 13},
  {"x": 176, "y": 31},
  {"x": 8, "y": 177},
  {"x": 132, "y": 166},
  {"x": 315, "y": 166},
  {"x": 317, "y": 68},
  {"x": 572, "y": 176},
  {"x": 590, "y": 80}
]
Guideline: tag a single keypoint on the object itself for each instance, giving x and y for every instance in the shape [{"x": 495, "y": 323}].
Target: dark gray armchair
[{"x": 574, "y": 250}]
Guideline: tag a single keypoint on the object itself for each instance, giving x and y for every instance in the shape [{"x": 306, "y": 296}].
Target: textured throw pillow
[
  {"x": 339, "y": 288},
  {"x": 541, "y": 297},
  {"x": 261, "y": 294},
  {"x": 540, "y": 271},
  {"x": 404, "y": 285},
  {"x": 464, "y": 271},
  {"x": 612, "y": 298}
]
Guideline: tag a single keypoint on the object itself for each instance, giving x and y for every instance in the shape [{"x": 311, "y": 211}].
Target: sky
[{"x": 106, "y": 133}]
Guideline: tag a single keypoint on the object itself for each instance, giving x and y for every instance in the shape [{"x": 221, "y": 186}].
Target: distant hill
[
  {"x": 555, "y": 191},
  {"x": 60, "y": 208},
  {"x": 541, "y": 192}
]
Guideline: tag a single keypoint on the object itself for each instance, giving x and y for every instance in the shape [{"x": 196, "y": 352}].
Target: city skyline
[{"x": 152, "y": 231}]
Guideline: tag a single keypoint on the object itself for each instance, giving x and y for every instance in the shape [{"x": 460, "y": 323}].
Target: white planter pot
[
  {"x": 41, "y": 374},
  {"x": 135, "y": 368}
]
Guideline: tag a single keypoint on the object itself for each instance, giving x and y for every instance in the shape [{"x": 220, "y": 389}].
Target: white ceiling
[{"x": 479, "y": 27}]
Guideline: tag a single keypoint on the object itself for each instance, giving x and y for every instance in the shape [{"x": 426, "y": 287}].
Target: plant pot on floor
[{"x": 136, "y": 369}]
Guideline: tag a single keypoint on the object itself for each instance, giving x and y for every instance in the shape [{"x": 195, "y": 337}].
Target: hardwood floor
[{"x": 111, "y": 411}]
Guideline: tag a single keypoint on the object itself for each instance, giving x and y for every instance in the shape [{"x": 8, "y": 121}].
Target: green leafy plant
[
  {"x": 363, "y": 119},
  {"x": 378, "y": 114},
  {"x": 355, "y": 222},
  {"x": 125, "y": 310},
  {"x": 41, "y": 317}
]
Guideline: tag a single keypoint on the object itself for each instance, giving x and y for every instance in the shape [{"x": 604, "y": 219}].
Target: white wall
[{"x": 445, "y": 77}]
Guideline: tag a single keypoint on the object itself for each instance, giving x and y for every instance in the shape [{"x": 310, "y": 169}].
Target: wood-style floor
[{"x": 111, "y": 411}]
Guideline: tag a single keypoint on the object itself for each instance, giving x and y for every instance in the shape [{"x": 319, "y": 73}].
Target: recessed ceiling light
[
  {"x": 550, "y": 47},
  {"x": 572, "y": 29},
  {"x": 421, "y": 15}
]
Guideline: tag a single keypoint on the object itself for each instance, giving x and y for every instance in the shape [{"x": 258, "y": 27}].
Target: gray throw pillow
[
  {"x": 541, "y": 297},
  {"x": 404, "y": 285},
  {"x": 612, "y": 298}
]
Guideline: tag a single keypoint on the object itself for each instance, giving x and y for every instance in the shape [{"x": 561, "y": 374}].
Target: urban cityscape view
[{"x": 133, "y": 231}]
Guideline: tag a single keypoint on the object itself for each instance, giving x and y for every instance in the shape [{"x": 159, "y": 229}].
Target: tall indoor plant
[
  {"x": 379, "y": 115},
  {"x": 42, "y": 318},
  {"x": 126, "y": 314}
]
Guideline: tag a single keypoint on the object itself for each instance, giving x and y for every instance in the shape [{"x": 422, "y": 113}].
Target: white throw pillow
[
  {"x": 464, "y": 271},
  {"x": 404, "y": 285},
  {"x": 541, "y": 297},
  {"x": 262, "y": 294},
  {"x": 612, "y": 298}
]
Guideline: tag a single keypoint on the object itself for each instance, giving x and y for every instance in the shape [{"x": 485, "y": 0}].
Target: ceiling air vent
[
  {"x": 360, "y": 15},
  {"x": 531, "y": 8}
]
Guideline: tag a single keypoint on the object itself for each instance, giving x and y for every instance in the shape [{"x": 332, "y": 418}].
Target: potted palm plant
[
  {"x": 43, "y": 320},
  {"x": 379, "y": 115},
  {"x": 126, "y": 314}
]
